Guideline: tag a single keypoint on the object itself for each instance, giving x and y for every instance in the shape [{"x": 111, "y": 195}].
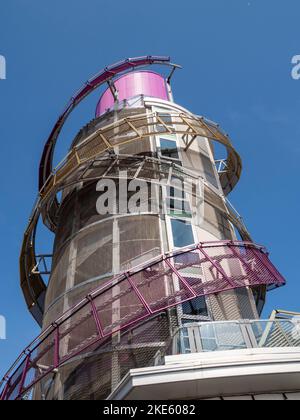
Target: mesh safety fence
[{"x": 89, "y": 335}]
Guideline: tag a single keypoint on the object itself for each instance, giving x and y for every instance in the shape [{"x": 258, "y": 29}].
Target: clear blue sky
[{"x": 237, "y": 71}]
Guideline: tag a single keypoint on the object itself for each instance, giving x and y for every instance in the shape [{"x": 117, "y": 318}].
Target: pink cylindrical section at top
[{"x": 133, "y": 84}]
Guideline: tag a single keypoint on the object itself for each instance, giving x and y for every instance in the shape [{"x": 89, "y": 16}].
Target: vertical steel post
[
  {"x": 23, "y": 377},
  {"x": 96, "y": 318}
]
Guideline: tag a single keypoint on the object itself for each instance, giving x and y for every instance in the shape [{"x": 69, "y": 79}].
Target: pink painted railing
[{"x": 162, "y": 283}]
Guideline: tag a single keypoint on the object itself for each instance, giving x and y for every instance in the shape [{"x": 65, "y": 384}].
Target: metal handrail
[
  {"x": 272, "y": 333},
  {"x": 190, "y": 125}
]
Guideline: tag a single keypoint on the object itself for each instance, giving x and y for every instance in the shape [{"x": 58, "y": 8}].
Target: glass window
[
  {"x": 192, "y": 270},
  {"x": 167, "y": 120},
  {"x": 177, "y": 203},
  {"x": 179, "y": 208},
  {"x": 176, "y": 192},
  {"x": 182, "y": 233},
  {"x": 195, "y": 307},
  {"x": 224, "y": 225},
  {"x": 186, "y": 346},
  {"x": 165, "y": 117},
  {"x": 216, "y": 222},
  {"x": 208, "y": 170},
  {"x": 168, "y": 148},
  {"x": 259, "y": 297}
]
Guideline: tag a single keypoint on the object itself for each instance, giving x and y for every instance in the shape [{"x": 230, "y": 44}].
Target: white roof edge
[{"x": 264, "y": 369}]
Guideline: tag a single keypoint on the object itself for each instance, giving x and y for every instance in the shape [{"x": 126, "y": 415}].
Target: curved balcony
[
  {"x": 234, "y": 335},
  {"x": 221, "y": 360},
  {"x": 141, "y": 294}
]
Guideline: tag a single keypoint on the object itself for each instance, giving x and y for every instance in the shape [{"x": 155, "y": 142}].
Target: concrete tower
[{"x": 168, "y": 270}]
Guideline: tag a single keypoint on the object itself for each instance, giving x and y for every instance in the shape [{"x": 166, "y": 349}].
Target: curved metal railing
[
  {"x": 162, "y": 283},
  {"x": 197, "y": 337},
  {"x": 136, "y": 128}
]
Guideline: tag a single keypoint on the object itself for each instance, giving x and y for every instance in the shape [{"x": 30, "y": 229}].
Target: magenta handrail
[{"x": 226, "y": 265}]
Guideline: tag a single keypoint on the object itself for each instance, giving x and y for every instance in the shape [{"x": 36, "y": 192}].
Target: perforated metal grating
[{"x": 132, "y": 298}]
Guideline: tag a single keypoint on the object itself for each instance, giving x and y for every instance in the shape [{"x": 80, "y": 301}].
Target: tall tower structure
[{"x": 168, "y": 269}]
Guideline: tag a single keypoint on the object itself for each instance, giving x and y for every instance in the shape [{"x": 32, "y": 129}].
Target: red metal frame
[{"x": 252, "y": 265}]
